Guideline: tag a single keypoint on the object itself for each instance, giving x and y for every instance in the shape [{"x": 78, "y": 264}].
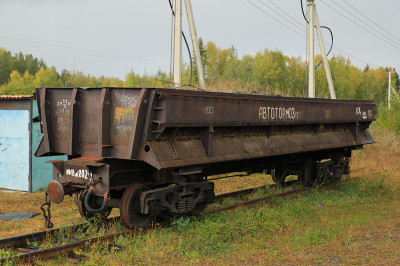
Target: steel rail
[
  {"x": 257, "y": 200},
  {"x": 23, "y": 240},
  {"x": 54, "y": 251},
  {"x": 244, "y": 192}
]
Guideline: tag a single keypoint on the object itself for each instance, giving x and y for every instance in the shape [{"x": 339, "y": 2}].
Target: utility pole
[
  {"x": 311, "y": 66},
  {"x": 395, "y": 94},
  {"x": 178, "y": 44},
  {"x": 314, "y": 22},
  {"x": 324, "y": 57},
  {"x": 195, "y": 43},
  {"x": 390, "y": 81}
]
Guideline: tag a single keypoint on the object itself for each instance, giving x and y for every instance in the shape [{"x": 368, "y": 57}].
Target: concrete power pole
[
  {"x": 390, "y": 82},
  {"x": 178, "y": 44},
  {"x": 311, "y": 66},
  {"x": 324, "y": 57},
  {"x": 314, "y": 21},
  {"x": 195, "y": 43}
]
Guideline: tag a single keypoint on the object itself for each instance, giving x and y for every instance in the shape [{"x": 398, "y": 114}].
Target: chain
[{"x": 47, "y": 222}]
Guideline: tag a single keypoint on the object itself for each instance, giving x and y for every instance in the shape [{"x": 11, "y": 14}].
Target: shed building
[{"x": 19, "y": 139}]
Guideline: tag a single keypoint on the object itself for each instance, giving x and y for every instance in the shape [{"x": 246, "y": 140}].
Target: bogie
[{"x": 130, "y": 213}]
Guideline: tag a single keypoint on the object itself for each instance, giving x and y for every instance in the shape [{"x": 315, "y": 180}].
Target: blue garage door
[{"x": 14, "y": 149}]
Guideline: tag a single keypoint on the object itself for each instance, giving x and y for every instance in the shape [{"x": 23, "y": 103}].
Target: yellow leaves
[
  {"x": 18, "y": 85},
  {"x": 318, "y": 58},
  {"x": 111, "y": 82},
  {"x": 40, "y": 72},
  {"x": 46, "y": 77},
  {"x": 380, "y": 74},
  {"x": 25, "y": 84},
  {"x": 15, "y": 75},
  {"x": 27, "y": 76}
]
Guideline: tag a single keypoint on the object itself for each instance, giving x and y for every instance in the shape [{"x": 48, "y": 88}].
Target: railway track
[{"x": 30, "y": 254}]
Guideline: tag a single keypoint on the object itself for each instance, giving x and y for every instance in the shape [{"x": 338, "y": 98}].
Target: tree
[
  {"x": 47, "y": 77},
  {"x": 267, "y": 72},
  {"x": 111, "y": 82},
  {"x": 19, "y": 85},
  {"x": 5, "y": 65},
  {"x": 270, "y": 71},
  {"x": 79, "y": 79}
]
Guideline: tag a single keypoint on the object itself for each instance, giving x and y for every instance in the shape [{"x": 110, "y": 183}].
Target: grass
[
  {"x": 63, "y": 214},
  {"x": 268, "y": 232},
  {"x": 352, "y": 222},
  {"x": 379, "y": 162},
  {"x": 389, "y": 119}
]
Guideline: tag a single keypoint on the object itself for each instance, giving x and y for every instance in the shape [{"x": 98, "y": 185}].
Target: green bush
[{"x": 389, "y": 118}]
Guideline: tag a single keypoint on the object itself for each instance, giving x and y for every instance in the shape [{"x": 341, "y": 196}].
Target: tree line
[
  {"x": 272, "y": 72},
  {"x": 266, "y": 72}
]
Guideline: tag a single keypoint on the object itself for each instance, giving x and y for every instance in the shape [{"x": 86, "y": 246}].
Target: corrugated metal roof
[{"x": 17, "y": 97}]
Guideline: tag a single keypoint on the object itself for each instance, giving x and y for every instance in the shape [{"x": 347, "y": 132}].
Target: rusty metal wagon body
[{"x": 149, "y": 151}]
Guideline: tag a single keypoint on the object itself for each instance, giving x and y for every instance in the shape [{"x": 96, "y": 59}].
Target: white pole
[
  {"x": 390, "y": 81},
  {"x": 311, "y": 66},
  {"x": 395, "y": 94},
  {"x": 324, "y": 57},
  {"x": 193, "y": 34},
  {"x": 178, "y": 44}
]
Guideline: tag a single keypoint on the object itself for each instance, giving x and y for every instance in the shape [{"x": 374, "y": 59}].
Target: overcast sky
[{"x": 110, "y": 38}]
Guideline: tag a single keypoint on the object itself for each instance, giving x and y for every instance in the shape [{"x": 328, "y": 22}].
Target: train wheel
[
  {"x": 90, "y": 215},
  {"x": 130, "y": 207},
  {"x": 278, "y": 176}
]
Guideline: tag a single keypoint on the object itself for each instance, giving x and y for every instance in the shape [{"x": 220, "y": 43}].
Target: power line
[
  {"x": 339, "y": 50},
  {"x": 366, "y": 24},
  {"x": 296, "y": 25},
  {"x": 285, "y": 12},
  {"x": 359, "y": 25},
  {"x": 371, "y": 20},
  {"x": 335, "y": 48},
  {"x": 353, "y": 57},
  {"x": 262, "y": 10}
]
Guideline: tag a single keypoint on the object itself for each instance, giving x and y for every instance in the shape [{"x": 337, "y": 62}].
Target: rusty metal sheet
[
  {"x": 173, "y": 128},
  {"x": 191, "y": 152},
  {"x": 87, "y": 121},
  {"x": 239, "y": 110}
]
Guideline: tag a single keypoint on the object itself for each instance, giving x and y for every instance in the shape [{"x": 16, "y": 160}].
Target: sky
[{"x": 112, "y": 38}]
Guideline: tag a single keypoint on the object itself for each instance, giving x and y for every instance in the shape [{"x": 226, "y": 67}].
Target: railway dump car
[{"x": 149, "y": 151}]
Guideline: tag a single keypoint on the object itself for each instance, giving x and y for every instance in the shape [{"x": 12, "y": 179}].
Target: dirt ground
[
  {"x": 15, "y": 201},
  {"x": 66, "y": 213},
  {"x": 373, "y": 244},
  {"x": 377, "y": 242}
]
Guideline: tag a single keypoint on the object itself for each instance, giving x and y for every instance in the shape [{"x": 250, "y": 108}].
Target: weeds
[
  {"x": 180, "y": 224},
  {"x": 315, "y": 218},
  {"x": 389, "y": 118},
  {"x": 4, "y": 253},
  {"x": 330, "y": 218}
]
